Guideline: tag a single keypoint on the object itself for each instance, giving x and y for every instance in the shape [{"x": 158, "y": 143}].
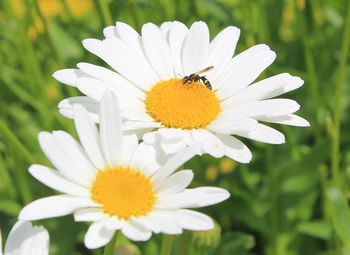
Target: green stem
[
  {"x": 338, "y": 100},
  {"x": 11, "y": 137},
  {"x": 106, "y": 15},
  {"x": 313, "y": 81},
  {"x": 7, "y": 185},
  {"x": 273, "y": 198},
  {"x": 167, "y": 243},
  {"x": 23, "y": 187},
  {"x": 134, "y": 14},
  {"x": 109, "y": 248}
]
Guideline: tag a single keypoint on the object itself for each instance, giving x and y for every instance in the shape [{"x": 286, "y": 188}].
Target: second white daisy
[{"x": 117, "y": 183}]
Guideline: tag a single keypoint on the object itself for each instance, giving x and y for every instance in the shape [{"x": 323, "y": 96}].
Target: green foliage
[{"x": 292, "y": 199}]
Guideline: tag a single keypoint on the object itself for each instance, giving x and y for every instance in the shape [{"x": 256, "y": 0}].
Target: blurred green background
[{"x": 292, "y": 198}]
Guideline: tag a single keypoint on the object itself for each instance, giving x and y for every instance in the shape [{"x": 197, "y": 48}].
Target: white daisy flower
[
  {"x": 24, "y": 239},
  {"x": 148, "y": 77},
  {"x": 116, "y": 183}
]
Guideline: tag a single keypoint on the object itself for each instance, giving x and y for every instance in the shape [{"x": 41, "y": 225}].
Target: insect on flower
[{"x": 195, "y": 77}]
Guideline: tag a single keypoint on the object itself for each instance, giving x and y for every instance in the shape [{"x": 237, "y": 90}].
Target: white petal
[
  {"x": 192, "y": 198},
  {"x": 136, "y": 115},
  {"x": 59, "y": 157},
  {"x": 151, "y": 168},
  {"x": 244, "y": 69},
  {"x": 68, "y": 76},
  {"x": 89, "y": 214},
  {"x": 88, "y": 135},
  {"x": 290, "y": 119},
  {"x": 230, "y": 126},
  {"x": 264, "y": 134},
  {"x": 151, "y": 137},
  {"x": 134, "y": 41},
  {"x": 54, "y": 180},
  {"x": 261, "y": 109},
  {"x": 165, "y": 27},
  {"x": 110, "y": 129},
  {"x": 177, "y": 34},
  {"x": 91, "y": 87},
  {"x": 130, "y": 143},
  {"x": 264, "y": 89},
  {"x": 98, "y": 235},
  {"x": 129, "y": 35},
  {"x": 191, "y": 220},
  {"x": 113, "y": 223},
  {"x": 195, "y": 48},
  {"x": 146, "y": 223},
  {"x": 109, "y": 31},
  {"x": 143, "y": 155},
  {"x": 175, "y": 162},
  {"x": 235, "y": 149},
  {"x": 221, "y": 50},
  {"x": 171, "y": 147},
  {"x": 163, "y": 221},
  {"x": 175, "y": 183},
  {"x": 75, "y": 154},
  {"x": 137, "y": 125},
  {"x": 157, "y": 51},
  {"x": 54, "y": 206},
  {"x": 210, "y": 143},
  {"x": 112, "y": 80},
  {"x": 24, "y": 239},
  {"x": 172, "y": 134},
  {"x": 123, "y": 58},
  {"x": 95, "y": 89},
  {"x": 66, "y": 106},
  {"x": 136, "y": 232}
]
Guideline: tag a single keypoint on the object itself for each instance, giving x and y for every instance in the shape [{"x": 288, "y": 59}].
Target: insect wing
[{"x": 207, "y": 69}]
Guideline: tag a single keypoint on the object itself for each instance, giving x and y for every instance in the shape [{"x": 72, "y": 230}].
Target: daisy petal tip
[
  {"x": 299, "y": 81},
  {"x": 43, "y": 135},
  {"x": 66, "y": 76},
  {"x": 281, "y": 141},
  {"x": 81, "y": 65},
  {"x": 303, "y": 122},
  {"x": 206, "y": 225},
  {"x": 25, "y": 214},
  {"x": 246, "y": 159},
  {"x": 62, "y": 103},
  {"x": 91, "y": 44},
  {"x": 33, "y": 169},
  {"x": 273, "y": 55},
  {"x": 306, "y": 124},
  {"x": 109, "y": 96},
  {"x": 91, "y": 245}
]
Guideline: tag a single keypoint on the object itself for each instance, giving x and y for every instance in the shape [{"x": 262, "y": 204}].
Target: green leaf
[
  {"x": 317, "y": 228},
  {"x": 340, "y": 216},
  {"x": 235, "y": 243},
  {"x": 9, "y": 207}
]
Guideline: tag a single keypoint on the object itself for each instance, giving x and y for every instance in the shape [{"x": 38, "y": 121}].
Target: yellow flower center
[
  {"x": 123, "y": 192},
  {"x": 178, "y": 105}
]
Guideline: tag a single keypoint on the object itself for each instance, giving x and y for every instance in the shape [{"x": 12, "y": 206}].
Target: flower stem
[
  {"x": 132, "y": 6},
  {"x": 109, "y": 248},
  {"x": 106, "y": 15},
  {"x": 338, "y": 100},
  {"x": 167, "y": 243}
]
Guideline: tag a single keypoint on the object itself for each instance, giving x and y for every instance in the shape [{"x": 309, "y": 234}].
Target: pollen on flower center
[
  {"x": 178, "y": 105},
  {"x": 123, "y": 192}
]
